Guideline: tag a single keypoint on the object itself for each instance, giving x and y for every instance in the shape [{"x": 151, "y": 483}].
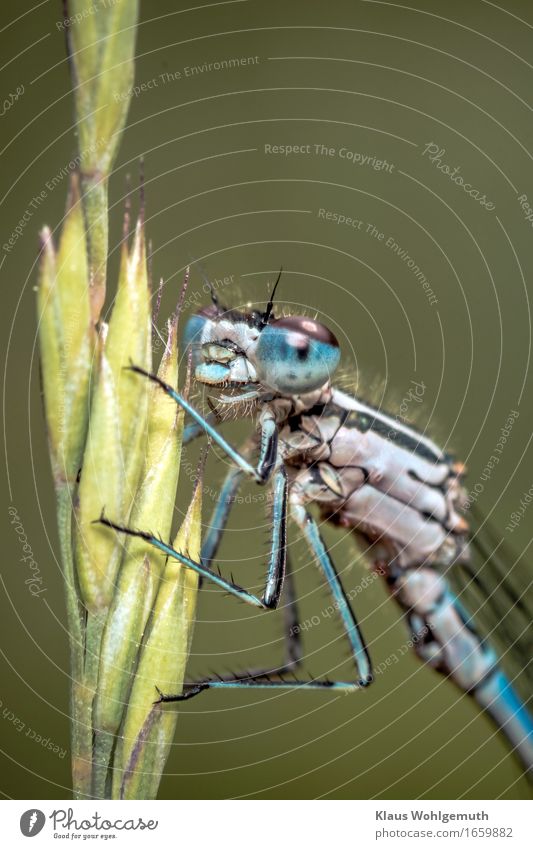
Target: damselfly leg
[
  {"x": 194, "y": 430},
  {"x": 276, "y": 561},
  {"x": 265, "y": 466},
  {"x": 268, "y": 467},
  {"x": 316, "y": 544},
  {"x": 292, "y": 634},
  {"x": 260, "y": 679}
]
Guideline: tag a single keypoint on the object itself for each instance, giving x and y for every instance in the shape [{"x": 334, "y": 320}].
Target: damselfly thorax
[{"x": 368, "y": 472}]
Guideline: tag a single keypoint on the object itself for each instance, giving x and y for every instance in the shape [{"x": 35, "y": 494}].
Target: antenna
[
  {"x": 212, "y": 293},
  {"x": 268, "y": 311}
]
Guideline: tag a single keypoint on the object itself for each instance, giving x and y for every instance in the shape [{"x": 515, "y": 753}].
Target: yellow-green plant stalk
[
  {"x": 67, "y": 339},
  {"x": 115, "y": 442},
  {"x": 149, "y": 728},
  {"x": 101, "y": 45},
  {"x": 141, "y": 567},
  {"x": 114, "y": 455},
  {"x": 127, "y": 453},
  {"x": 67, "y": 342}
]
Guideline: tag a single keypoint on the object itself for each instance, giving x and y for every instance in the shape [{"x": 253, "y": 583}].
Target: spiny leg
[
  {"x": 293, "y": 644},
  {"x": 217, "y": 526},
  {"x": 359, "y": 651},
  {"x": 293, "y": 639},
  {"x": 268, "y": 467},
  {"x": 258, "y": 677},
  {"x": 220, "y": 515},
  {"x": 219, "y": 519},
  {"x": 260, "y": 680},
  {"x": 276, "y": 561},
  {"x": 269, "y": 434},
  {"x": 194, "y": 430}
]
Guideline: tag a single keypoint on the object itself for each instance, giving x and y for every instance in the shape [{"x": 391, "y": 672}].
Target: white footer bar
[{"x": 269, "y": 824}]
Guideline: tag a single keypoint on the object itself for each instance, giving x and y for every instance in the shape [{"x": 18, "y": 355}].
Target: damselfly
[{"x": 365, "y": 471}]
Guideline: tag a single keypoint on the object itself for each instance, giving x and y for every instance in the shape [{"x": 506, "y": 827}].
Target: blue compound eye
[{"x": 295, "y": 355}]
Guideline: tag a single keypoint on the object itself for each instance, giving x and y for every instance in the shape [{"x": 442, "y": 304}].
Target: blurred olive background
[{"x": 368, "y": 79}]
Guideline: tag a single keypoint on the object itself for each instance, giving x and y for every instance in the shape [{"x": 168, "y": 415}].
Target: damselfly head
[{"x": 253, "y": 352}]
